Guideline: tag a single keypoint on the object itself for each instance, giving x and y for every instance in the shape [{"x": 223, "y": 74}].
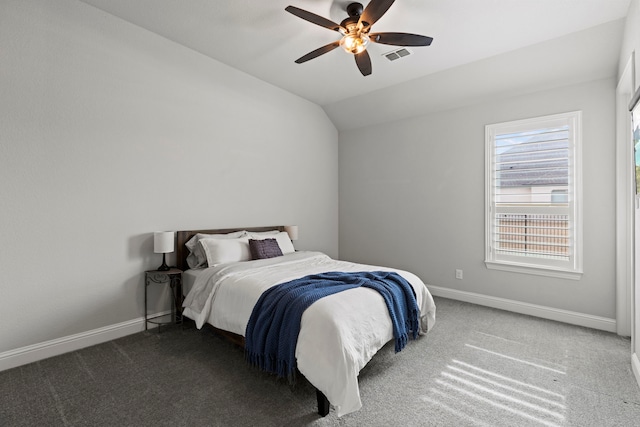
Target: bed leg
[{"x": 323, "y": 404}]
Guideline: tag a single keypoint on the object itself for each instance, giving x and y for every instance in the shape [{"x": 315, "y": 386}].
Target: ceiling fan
[{"x": 355, "y": 32}]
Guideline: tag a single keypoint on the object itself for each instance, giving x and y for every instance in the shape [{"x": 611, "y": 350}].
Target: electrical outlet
[{"x": 458, "y": 274}]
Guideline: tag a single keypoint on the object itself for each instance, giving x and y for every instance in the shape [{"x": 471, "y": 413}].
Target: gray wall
[
  {"x": 412, "y": 196},
  {"x": 109, "y": 133}
]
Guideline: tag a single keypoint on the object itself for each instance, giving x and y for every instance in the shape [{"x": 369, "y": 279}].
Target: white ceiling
[{"x": 260, "y": 38}]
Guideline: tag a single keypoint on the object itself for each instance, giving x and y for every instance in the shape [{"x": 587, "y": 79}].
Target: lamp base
[{"x": 164, "y": 266}]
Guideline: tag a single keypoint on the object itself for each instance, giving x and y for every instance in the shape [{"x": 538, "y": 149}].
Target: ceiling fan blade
[
  {"x": 363, "y": 60},
  {"x": 374, "y": 11},
  {"x": 313, "y": 18},
  {"x": 320, "y": 51},
  {"x": 401, "y": 39}
]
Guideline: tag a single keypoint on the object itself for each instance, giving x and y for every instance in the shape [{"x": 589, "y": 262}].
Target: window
[{"x": 533, "y": 195}]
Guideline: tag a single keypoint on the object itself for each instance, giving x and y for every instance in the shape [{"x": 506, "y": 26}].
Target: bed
[{"x": 338, "y": 334}]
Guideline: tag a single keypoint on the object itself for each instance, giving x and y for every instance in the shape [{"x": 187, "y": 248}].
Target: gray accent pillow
[{"x": 265, "y": 248}]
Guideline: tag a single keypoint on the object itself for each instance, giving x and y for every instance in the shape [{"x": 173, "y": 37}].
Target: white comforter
[{"x": 339, "y": 334}]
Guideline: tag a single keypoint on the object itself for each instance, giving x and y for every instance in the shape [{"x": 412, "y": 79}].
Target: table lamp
[{"x": 163, "y": 244}]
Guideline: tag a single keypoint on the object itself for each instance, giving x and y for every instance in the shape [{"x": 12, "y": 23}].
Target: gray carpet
[{"x": 477, "y": 367}]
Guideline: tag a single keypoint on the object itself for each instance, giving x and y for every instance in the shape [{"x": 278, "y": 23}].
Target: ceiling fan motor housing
[{"x": 355, "y": 9}]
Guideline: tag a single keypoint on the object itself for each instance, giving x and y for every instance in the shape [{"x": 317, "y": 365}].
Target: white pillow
[
  {"x": 194, "y": 240},
  {"x": 218, "y": 251},
  {"x": 282, "y": 237},
  {"x": 258, "y": 234},
  {"x": 196, "y": 257}
]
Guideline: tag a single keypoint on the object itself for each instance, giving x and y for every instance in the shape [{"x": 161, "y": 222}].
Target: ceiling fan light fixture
[{"x": 353, "y": 43}]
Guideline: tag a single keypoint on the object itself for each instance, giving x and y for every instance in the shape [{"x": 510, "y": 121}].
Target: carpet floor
[{"x": 477, "y": 367}]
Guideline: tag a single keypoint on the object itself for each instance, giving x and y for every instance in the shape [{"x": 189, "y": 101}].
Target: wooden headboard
[{"x": 183, "y": 237}]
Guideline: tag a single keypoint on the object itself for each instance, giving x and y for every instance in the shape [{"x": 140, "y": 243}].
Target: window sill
[{"x": 532, "y": 269}]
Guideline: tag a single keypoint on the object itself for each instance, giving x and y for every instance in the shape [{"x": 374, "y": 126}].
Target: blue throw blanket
[{"x": 272, "y": 332}]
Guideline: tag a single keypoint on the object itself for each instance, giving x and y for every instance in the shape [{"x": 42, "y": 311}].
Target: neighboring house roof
[{"x": 534, "y": 164}]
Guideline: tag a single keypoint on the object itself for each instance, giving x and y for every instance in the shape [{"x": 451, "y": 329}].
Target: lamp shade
[
  {"x": 292, "y": 231},
  {"x": 163, "y": 242}
]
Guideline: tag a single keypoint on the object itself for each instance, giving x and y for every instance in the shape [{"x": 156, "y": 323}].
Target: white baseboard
[
  {"x": 635, "y": 366},
  {"x": 565, "y": 316},
  {"x": 33, "y": 353}
]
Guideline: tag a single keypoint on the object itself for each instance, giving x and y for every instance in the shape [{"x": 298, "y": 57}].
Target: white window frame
[{"x": 571, "y": 269}]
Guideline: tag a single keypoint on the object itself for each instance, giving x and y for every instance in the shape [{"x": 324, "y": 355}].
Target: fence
[{"x": 534, "y": 235}]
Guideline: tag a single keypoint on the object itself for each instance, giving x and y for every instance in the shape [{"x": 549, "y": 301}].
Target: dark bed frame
[{"x": 182, "y": 252}]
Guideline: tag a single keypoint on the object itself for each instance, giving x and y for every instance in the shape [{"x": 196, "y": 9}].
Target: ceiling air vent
[{"x": 397, "y": 54}]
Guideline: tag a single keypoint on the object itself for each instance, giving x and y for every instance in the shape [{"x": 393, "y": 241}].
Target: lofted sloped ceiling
[
  {"x": 579, "y": 57},
  {"x": 479, "y": 47}
]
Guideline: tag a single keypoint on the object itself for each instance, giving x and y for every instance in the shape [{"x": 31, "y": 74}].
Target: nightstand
[{"x": 172, "y": 277}]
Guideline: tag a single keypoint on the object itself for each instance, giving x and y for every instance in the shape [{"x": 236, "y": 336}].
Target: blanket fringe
[{"x": 270, "y": 363}]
